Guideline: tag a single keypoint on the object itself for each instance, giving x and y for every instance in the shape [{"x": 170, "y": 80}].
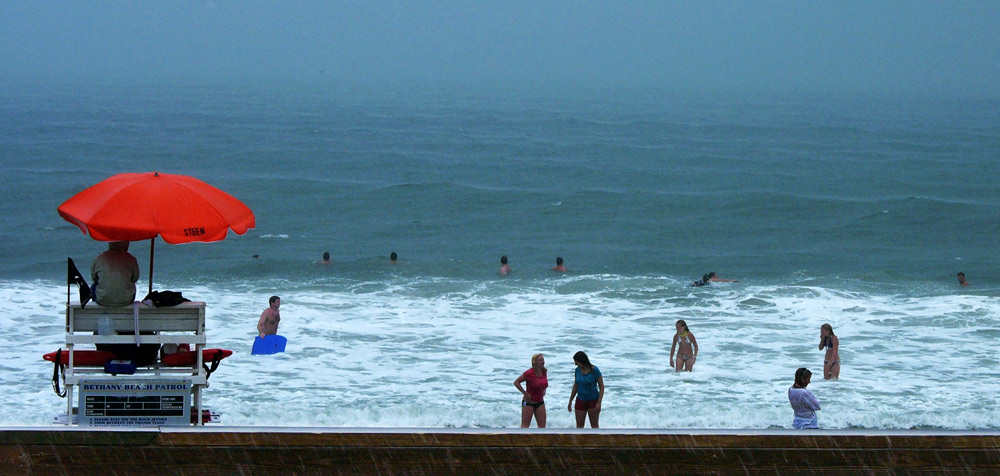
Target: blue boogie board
[{"x": 271, "y": 344}]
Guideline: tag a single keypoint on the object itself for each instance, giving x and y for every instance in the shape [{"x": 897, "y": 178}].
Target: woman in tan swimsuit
[{"x": 686, "y": 346}]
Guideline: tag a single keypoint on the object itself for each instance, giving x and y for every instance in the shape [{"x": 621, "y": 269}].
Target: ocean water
[{"x": 852, "y": 210}]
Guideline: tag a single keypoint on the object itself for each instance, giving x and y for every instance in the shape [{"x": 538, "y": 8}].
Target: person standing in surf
[
  {"x": 686, "y": 346},
  {"x": 831, "y": 363},
  {"x": 588, "y": 387},
  {"x": 533, "y": 399},
  {"x": 269, "y": 319},
  {"x": 803, "y": 402}
]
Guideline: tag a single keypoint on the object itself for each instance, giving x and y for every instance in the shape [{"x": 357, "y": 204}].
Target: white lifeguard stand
[{"x": 156, "y": 395}]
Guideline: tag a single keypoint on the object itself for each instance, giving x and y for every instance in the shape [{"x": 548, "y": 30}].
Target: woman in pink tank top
[{"x": 533, "y": 400}]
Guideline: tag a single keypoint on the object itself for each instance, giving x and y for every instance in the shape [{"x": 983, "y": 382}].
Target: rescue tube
[
  {"x": 187, "y": 359},
  {"x": 97, "y": 358},
  {"x": 83, "y": 358}
]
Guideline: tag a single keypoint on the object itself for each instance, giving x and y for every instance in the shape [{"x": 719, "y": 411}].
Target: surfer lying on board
[{"x": 712, "y": 278}]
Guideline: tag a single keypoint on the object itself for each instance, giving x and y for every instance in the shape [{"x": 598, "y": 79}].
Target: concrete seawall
[{"x": 323, "y": 451}]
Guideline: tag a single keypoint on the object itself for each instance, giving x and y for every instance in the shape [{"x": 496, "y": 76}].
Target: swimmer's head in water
[
  {"x": 392, "y": 256},
  {"x": 503, "y": 259},
  {"x": 711, "y": 274},
  {"x": 326, "y": 256},
  {"x": 559, "y": 261}
]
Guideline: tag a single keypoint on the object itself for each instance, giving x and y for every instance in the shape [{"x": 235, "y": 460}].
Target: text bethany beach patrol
[{"x": 141, "y": 387}]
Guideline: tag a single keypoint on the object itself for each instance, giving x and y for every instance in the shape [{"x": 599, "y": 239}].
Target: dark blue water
[{"x": 764, "y": 187}]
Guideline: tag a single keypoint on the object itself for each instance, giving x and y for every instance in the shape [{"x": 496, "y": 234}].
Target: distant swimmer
[
  {"x": 961, "y": 279},
  {"x": 686, "y": 346},
  {"x": 712, "y": 278},
  {"x": 326, "y": 258},
  {"x": 504, "y": 267},
  {"x": 831, "y": 363},
  {"x": 559, "y": 265},
  {"x": 269, "y": 319},
  {"x": 804, "y": 403},
  {"x": 393, "y": 257}
]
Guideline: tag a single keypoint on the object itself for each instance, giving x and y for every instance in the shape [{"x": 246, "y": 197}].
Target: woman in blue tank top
[{"x": 588, "y": 388}]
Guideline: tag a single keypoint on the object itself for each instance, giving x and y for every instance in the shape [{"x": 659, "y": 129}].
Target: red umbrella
[{"x": 139, "y": 206}]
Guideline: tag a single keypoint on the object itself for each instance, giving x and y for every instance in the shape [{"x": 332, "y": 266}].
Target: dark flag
[{"x": 76, "y": 278}]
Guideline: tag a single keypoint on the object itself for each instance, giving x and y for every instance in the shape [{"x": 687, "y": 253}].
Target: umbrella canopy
[{"x": 139, "y": 206}]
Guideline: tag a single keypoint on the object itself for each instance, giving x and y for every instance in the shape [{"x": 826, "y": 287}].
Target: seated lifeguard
[{"x": 114, "y": 274}]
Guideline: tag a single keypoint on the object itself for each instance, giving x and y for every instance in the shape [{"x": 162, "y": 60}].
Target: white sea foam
[{"x": 440, "y": 353}]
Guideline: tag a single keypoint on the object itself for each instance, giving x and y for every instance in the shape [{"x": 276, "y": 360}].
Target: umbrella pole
[{"x": 152, "y": 242}]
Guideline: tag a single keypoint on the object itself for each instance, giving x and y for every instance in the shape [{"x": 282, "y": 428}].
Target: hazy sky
[{"x": 906, "y": 46}]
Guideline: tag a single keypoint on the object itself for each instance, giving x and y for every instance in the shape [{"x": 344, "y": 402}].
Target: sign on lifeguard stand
[{"x": 135, "y": 402}]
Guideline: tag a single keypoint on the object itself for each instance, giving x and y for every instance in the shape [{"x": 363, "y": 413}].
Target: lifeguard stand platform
[{"x": 155, "y": 395}]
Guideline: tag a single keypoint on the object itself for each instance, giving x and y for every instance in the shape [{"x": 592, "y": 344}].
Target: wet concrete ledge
[{"x": 415, "y": 451}]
